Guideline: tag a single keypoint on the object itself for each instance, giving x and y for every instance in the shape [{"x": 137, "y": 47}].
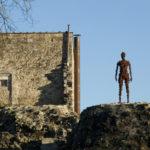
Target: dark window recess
[{"x": 3, "y": 82}]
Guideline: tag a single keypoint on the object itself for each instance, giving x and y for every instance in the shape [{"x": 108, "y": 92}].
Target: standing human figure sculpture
[{"x": 125, "y": 69}]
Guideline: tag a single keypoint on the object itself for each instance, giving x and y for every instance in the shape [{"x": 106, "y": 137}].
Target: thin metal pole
[
  {"x": 77, "y": 74},
  {"x": 68, "y": 35}
]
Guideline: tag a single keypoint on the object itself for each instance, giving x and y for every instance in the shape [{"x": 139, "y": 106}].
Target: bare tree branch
[{"x": 8, "y": 7}]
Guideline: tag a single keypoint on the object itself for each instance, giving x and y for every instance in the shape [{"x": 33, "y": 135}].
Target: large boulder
[{"x": 113, "y": 127}]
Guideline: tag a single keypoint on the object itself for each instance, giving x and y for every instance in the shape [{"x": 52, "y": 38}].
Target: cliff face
[
  {"x": 35, "y": 128},
  {"x": 113, "y": 127}
]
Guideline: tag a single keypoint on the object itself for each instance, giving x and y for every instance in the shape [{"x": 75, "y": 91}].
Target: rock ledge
[{"x": 113, "y": 127}]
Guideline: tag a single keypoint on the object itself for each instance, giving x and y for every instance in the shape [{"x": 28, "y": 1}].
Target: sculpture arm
[
  {"x": 116, "y": 72},
  {"x": 130, "y": 71}
]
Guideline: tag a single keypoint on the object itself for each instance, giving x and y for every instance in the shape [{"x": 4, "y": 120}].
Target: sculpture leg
[
  {"x": 120, "y": 89},
  {"x": 127, "y": 89}
]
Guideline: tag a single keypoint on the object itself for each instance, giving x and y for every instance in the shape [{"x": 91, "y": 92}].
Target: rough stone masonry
[
  {"x": 37, "y": 69},
  {"x": 35, "y": 127}
]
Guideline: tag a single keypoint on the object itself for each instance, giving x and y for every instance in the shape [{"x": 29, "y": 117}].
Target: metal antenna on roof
[{"x": 68, "y": 28}]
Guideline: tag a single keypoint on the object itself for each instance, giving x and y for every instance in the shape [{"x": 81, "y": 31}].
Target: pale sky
[{"x": 107, "y": 27}]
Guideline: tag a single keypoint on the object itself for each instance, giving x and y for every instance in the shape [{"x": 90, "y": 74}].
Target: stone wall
[
  {"x": 36, "y": 68},
  {"x": 35, "y": 128}
]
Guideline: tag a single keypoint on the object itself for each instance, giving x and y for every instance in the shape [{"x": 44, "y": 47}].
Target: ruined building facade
[{"x": 40, "y": 69}]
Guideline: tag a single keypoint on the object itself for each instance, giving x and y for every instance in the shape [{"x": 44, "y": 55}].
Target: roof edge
[{"x": 33, "y": 32}]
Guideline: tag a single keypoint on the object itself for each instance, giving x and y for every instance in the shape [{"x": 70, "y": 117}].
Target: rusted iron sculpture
[{"x": 124, "y": 65}]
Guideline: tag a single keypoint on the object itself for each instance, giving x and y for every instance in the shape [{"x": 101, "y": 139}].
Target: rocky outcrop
[
  {"x": 102, "y": 127},
  {"x": 113, "y": 127},
  {"x": 35, "y": 128}
]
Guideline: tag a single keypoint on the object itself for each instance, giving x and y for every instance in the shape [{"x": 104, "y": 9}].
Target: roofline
[{"x": 33, "y": 32}]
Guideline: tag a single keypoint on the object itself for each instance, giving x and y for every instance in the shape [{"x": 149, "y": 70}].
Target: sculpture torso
[{"x": 123, "y": 64}]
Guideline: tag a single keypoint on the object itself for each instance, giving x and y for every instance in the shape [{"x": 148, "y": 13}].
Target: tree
[{"x": 8, "y": 8}]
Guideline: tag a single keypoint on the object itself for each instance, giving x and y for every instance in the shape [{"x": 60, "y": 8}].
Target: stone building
[{"x": 40, "y": 69}]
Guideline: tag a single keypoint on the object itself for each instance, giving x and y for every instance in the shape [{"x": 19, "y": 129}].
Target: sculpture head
[{"x": 123, "y": 55}]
